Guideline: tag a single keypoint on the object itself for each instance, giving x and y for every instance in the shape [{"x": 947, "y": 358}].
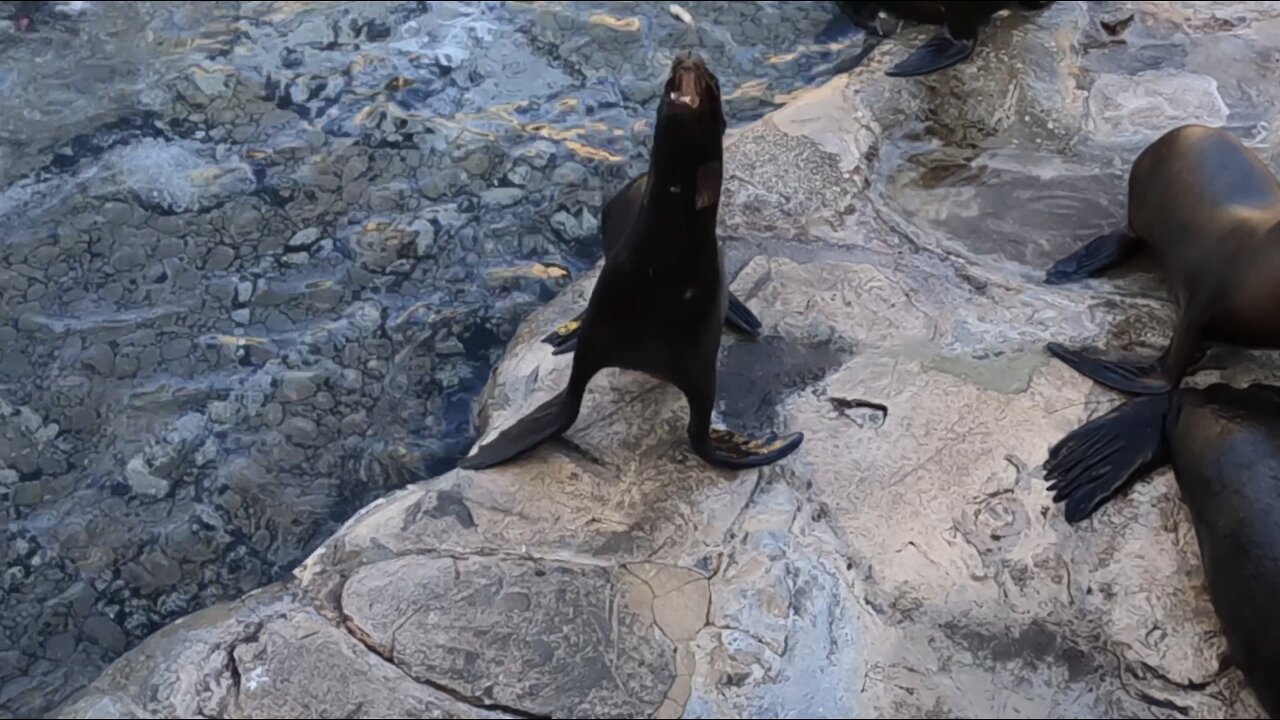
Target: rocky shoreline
[
  {"x": 260, "y": 258},
  {"x": 908, "y": 560}
]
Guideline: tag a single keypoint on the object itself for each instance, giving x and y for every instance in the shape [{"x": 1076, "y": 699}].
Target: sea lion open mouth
[
  {"x": 690, "y": 84},
  {"x": 690, "y": 100},
  {"x": 686, "y": 88}
]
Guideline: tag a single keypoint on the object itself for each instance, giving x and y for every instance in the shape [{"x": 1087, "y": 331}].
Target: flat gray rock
[{"x": 907, "y": 561}]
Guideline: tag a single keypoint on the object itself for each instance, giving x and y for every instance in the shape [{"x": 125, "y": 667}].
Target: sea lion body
[
  {"x": 954, "y": 42},
  {"x": 1225, "y": 451},
  {"x": 617, "y": 217},
  {"x": 660, "y": 301},
  {"x": 1224, "y": 446},
  {"x": 1208, "y": 210}
]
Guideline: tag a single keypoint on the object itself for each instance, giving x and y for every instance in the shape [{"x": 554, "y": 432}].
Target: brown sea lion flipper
[
  {"x": 1093, "y": 463},
  {"x": 1101, "y": 254},
  {"x": 741, "y": 317},
  {"x": 948, "y": 47}
]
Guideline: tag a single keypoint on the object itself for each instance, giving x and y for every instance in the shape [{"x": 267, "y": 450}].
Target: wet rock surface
[
  {"x": 259, "y": 260},
  {"x": 907, "y": 561}
]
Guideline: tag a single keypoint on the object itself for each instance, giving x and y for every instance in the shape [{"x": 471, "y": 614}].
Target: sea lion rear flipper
[
  {"x": 741, "y": 317},
  {"x": 1101, "y": 254},
  {"x": 737, "y": 451},
  {"x": 1095, "y": 461},
  {"x": 940, "y": 52},
  {"x": 725, "y": 448},
  {"x": 1136, "y": 376},
  {"x": 550, "y": 419}
]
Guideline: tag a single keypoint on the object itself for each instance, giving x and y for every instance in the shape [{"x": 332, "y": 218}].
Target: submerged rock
[{"x": 907, "y": 561}]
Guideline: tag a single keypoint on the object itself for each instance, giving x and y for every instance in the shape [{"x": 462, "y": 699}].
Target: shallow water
[{"x": 259, "y": 258}]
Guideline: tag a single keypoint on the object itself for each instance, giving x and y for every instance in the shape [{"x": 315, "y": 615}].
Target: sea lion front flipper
[
  {"x": 1099, "y": 255},
  {"x": 1141, "y": 377},
  {"x": 710, "y": 179},
  {"x": 939, "y": 53},
  {"x": 565, "y": 337},
  {"x": 737, "y": 451},
  {"x": 1095, "y": 461},
  {"x": 741, "y": 317}
]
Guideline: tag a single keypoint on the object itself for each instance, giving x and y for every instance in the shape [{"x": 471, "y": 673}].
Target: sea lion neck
[{"x": 680, "y": 174}]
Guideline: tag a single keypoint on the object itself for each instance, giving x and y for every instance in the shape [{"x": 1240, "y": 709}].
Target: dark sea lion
[
  {"x": 1224, "y": 445},
  {"x": 661, "y": 300},
  {"x": 954, "y": 42},
  {"x": 616, "y": 219},
  {"x": 1208, "y": 209}
]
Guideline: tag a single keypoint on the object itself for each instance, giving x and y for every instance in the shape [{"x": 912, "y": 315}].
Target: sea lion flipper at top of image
[
  {"x": 953, "y": 43},
  {"x": 939, "y": 52},
  {"x": 1096, "y": 461}
]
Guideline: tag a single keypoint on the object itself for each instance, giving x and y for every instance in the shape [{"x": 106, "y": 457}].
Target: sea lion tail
[
  {"x": 1094, "y": 462},
  {"x": 549, "y": 420}
]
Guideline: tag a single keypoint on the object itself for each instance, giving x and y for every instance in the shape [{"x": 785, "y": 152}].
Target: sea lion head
[
  {"x": 690, "y": 108},
  {"x": 691, "y": 125}
]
